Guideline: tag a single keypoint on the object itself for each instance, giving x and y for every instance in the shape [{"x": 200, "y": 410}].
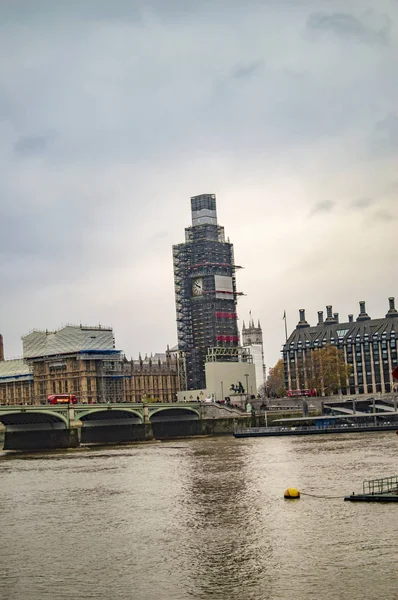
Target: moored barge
[{"x": 377, "y": 490}]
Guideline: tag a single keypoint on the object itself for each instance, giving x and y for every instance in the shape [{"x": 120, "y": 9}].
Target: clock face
[{"x": 197, "y": 286}]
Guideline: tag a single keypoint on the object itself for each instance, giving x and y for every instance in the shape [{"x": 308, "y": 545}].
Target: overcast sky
[{"x": 114, "y": 113}]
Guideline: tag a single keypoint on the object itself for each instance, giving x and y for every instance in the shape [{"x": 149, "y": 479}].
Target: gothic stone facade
[
  {"x": 82, "y": 361},
  {"x": 153, "y": 378},
  {"x": 16, "y": 382}
]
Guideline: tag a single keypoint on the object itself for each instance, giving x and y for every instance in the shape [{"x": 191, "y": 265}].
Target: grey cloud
[
  {"x": 29, "y": 236},
  {"x": 361, "y": 203},
  {"x": 384, "y": 215},
  {"x": 138, "y": 12},
  {"x": 100, "y": 10},
  {"x": 326, "y": 206},
  {"x": 149, "y": 100},
  {"x": 243, "y": 71},
  {"x": 348, "y": 26},
  {"x": 31, "y": 145},
  {"x": 148, "y": 111},
  {"x": 384, "y": 138}
]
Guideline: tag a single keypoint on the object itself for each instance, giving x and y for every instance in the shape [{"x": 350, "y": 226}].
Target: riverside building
[
  {"x": 153, "y": 378},
  {"x": 368, "y": 345},
  {"x": 16, "y": 382},
  {"x": 82, "y": 361},
  {"x": 76, "y": 360}
]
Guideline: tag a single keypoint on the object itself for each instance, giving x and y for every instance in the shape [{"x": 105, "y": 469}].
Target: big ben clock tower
[{"x": 205, "y": 289}]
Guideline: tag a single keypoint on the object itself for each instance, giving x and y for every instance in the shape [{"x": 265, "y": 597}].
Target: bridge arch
[
  {"x": 106, "y": 424},
  {"x": 24, "y": 418},
  {"x": 172, "y": 413},
  {"x": 106, "y": 415}
]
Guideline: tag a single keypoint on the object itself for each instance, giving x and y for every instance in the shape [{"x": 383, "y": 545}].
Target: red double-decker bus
[
  {"x": 62, "y": 399},
  {"x": 301, "y": 393}
]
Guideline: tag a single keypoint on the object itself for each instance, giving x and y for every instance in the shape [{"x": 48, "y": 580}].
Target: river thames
[{"x": 200, "y": 519}]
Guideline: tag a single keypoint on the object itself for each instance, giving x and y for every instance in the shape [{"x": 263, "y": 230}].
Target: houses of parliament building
[{"x": 83, "y": 361}]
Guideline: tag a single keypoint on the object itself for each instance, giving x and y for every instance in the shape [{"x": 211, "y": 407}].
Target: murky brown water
[{"x": 200, "y": 519}]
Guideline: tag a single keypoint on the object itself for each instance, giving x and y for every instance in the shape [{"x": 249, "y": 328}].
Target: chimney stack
[
  {"x": 302, "y": 322},
  {"x": 350, "y": 318},
  {"x": 336, "y": 317},
  {"x": 1, "y": 348},
  {"x": 329, "y": 314},
  {"x": 392, "y": 312},
  {"x": 320, "y": 317},
  {"x": 363, "y": 316}
]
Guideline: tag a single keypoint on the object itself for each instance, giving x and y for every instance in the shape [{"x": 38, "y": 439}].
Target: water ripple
[{"x": 201, "y": 519}]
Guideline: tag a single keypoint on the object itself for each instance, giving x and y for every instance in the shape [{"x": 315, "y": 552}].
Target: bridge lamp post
[{"x": 222, "y": 390}]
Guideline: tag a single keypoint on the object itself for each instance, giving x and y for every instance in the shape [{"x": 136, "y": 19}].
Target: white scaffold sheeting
[{"x": 66, "y": 340}]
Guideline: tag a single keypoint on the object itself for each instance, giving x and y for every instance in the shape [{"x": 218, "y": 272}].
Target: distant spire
[
  {"x": 243, "y": 327},
  {"x": 259, "y": 326}
]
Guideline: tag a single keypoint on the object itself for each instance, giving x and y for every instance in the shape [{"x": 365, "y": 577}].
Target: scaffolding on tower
[{"x": 208, "y": 317}]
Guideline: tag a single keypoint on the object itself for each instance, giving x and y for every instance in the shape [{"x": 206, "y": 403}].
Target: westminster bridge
[{"x": 39, "y": 427}]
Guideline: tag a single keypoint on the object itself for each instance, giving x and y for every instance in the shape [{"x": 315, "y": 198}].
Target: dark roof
[{"x": 335, "y": 331}]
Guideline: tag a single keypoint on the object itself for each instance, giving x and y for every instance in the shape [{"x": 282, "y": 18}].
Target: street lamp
[
  {"x": 247, "y": 384},
  {"x": 222, "y": 391}
]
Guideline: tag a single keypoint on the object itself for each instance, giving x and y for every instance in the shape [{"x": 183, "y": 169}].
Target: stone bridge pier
[{"x": 25, "y": 429}]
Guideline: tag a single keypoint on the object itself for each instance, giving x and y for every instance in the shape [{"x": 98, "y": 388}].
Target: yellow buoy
[{"x": 292, "y": 494}]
